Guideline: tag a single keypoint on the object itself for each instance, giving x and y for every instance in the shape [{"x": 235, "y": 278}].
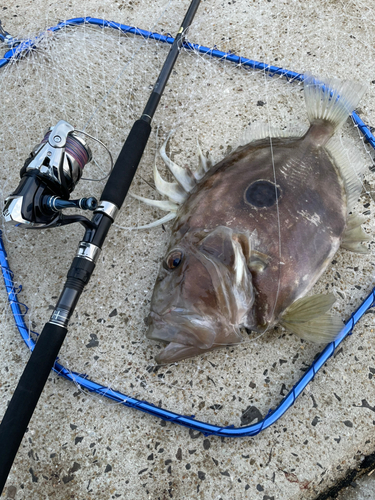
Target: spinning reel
[{"x": 48, "y": 176}]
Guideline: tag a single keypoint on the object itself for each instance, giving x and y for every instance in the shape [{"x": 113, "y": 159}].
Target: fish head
[{"x": 202, "y": 295}]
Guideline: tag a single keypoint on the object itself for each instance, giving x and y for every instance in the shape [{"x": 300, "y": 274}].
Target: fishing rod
[{"x": 47, "y": 179}]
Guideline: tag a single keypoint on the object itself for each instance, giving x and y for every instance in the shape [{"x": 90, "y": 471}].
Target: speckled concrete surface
[
  {"x": 82, "y": 447},
  {"x": 363, "y": 489}
]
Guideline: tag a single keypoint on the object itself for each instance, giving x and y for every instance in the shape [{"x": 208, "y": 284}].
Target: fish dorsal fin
[
  {"x": 354, "y": 235},
  {"x": 351, "y": 169},
  {"x": 332, "y": 100},
  {"x": 260, "y": 130},
  {"x": 309, "y": 318}
]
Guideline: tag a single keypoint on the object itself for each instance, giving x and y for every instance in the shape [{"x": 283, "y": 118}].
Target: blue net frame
[{"x": 20, "y": 48}]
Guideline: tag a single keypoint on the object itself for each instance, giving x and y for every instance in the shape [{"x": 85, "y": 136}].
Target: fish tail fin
[{"x": 332, "y": 100}]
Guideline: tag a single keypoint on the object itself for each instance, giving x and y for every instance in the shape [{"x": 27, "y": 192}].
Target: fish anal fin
[
  {"x": 354, "y": 236},
  {"x": 355, "y": 220},
  {"x": 355, "y": 247},
  {"x": 351, "y": 168},
  {"x": 309, "y": 319}
]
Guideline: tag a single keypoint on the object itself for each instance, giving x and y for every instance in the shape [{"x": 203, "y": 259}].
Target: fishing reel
[{"x": 48, "y": 176}]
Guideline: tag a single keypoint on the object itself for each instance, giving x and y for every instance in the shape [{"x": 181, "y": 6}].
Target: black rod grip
[
  {"x": 126, "y": 164},
  {"x": 26, "y": 395}
]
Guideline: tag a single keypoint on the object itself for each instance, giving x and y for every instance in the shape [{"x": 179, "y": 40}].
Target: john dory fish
[{"x": 253, "y": 233}]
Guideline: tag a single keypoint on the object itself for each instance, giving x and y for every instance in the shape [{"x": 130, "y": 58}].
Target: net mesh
[{"x": 99, "y": 81}]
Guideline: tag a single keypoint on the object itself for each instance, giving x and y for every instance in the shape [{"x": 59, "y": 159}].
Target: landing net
[{"x": 98, "y": 79}]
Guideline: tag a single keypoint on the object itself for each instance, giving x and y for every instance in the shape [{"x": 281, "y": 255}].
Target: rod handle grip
[
  {"x": 126, "y": 164},
  {"x": 26, "y": 395}
]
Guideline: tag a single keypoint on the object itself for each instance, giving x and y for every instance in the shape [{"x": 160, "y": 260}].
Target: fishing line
[
  {"x": 277, "y": 214},
  {"x": 276, "y": 198},
  {"x": 224, "y": 57},
  {"x": 108, "y": 151}
]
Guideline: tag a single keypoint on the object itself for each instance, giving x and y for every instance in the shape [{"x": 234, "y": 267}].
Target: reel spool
[{"x": 48, "y": 176}]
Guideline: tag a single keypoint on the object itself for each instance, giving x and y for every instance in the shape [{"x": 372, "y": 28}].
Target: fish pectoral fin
[
  {"x": 354, "y": 236},
  {"x": 309, "y": 319},
  {"x": 309, "y": 308},
  {"x": 323, "y": 329}
]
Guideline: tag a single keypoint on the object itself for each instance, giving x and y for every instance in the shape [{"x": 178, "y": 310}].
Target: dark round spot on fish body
[{"x": 262, "y": 194}]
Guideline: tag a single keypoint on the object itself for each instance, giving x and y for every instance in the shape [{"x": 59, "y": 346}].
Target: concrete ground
[
  {"x": 363, "y": 489},
  {"x": 82, "y": 447}
]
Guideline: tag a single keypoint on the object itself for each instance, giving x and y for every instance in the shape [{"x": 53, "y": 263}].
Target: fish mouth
[
  {"x": 187, "y": 335},
  {"x": 182, "y": 327}
]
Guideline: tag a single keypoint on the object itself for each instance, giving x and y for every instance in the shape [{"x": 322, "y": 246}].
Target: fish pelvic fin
[
  {"x": 172, "y": 190},
  {"x": 309, "y": 319},
  {"x": 331, "y": 100}
]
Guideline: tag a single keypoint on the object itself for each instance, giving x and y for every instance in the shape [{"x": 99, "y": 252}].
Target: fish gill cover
[{"x": 98, "y": 80}]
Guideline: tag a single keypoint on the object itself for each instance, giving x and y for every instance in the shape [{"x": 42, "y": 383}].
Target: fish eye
[{"x": 174, "y": 259}]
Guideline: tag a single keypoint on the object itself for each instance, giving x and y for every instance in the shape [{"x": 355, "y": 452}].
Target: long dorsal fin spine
[
  {"x": 165, "y": 205},
  {"x": 182, "y": 175},
  {"x": 171, "y": 189}
]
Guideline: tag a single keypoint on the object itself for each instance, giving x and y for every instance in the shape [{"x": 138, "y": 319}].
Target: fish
[{"x": 253, "y": 233}]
